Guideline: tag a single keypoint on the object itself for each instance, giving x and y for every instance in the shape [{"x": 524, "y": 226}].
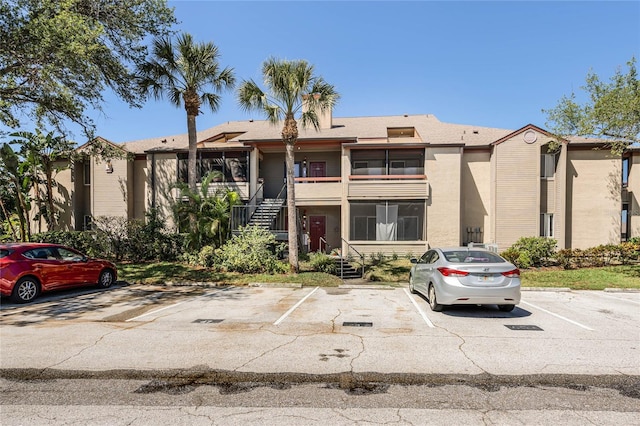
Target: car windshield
[{"x": 472, "y": 256}]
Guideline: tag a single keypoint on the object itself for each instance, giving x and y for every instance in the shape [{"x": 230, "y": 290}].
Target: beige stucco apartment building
[{"x": 393, "y": 184}]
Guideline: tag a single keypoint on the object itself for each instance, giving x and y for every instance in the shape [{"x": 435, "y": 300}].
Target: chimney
[{"x": 325, "y": 118}]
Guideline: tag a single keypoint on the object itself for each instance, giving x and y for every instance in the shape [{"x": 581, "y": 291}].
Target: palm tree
[
  {"x": 212, "y": 210},
  {"x": 291, "y": 85},
  {"x": 183, "y": 72}
]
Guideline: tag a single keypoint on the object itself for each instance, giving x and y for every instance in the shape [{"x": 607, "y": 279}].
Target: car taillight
[
  {"x": 514, "y": 273},
  {"x": 448, "y": 272}
]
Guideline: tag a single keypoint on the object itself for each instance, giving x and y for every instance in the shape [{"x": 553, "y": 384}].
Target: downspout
[{"x": 153, "y": 181}]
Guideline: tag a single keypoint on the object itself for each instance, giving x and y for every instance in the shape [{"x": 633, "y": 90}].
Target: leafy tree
[
  {"x": 290, "y": 85},
  {"x": 44, "y": 156},
  {"x": 11, "y": 167},
  {"x": 7, "y": 205},
  {"x": 612, "y": 112},
  {"x": 184, "y": 72},
  {"x": 58, "y": 56}
]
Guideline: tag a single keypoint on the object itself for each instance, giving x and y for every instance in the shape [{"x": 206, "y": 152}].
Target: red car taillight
[
  {"x": 448, "y": 272},
  {"x": 514, "y": 273}
]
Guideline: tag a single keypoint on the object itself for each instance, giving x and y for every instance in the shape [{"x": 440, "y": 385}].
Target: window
[
  {"x": 425, "y": 257},
  {"x": 368, "y": 162},
  {"x": 387, "y": 162},
  {"x": 86, "y": 168},
  {"x": 546, "y": 225},
  {"x": 625, "y": 223},
  {"x": 230, "y": 166},
  {"x": 364, "y": 228},
  {"x": 469, "y": 256},
  {"x": 547, "y": 165},
  {"x": 69, "y": 255},
  {"x": 387, "y": 220},
  {"x": 625, "y": 171}
]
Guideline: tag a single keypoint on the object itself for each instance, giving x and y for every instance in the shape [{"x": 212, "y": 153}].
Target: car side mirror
[{"x": 413, "y": 260}]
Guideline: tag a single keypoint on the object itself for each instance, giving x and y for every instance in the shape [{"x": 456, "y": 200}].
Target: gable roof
[{"x": 86, "y": 145}]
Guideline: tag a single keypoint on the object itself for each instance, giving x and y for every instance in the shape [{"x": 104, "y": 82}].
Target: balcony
[
  {"x": 318, "y": 190},
  {"x": 388, "y": 187}
]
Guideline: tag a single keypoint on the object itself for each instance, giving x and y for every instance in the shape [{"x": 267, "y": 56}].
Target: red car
[{"x": 27, "y": 269}]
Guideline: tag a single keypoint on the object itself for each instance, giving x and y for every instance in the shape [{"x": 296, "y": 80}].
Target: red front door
[
  {"x": 317, "y": 230},
  {"x": 317, "y": 169}
]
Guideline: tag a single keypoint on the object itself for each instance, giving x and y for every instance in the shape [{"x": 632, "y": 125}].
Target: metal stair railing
[
  {"x": 240, "y": 215},
  {"x": 349, "y": 248}
]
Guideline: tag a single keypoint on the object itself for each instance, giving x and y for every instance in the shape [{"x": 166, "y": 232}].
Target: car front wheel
[
  {"x": 106, "y": 278},
  {"x": 433, "y": 302},
  {"x": 25, "y": 290}
]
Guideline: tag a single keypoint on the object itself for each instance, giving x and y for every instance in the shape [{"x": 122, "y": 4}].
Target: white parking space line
[
  {"x": 420, "y": 311},
  {"x": 155, "y": 311},
  {"x": 174, "y": 305},
  {"x": 556, "y": 315},
  {"x": 620, "y": 298},
  {"x": 294, "y": 307}
]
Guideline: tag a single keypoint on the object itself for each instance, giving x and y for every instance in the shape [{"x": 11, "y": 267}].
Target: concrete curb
[
  {"x": 550, "y": 289},
  {"x": 276, "y": 285}
]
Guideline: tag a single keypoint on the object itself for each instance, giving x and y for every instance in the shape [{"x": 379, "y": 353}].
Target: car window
[
  {"x": 4, "y": 252},
  {"x": 471, "y": 256},
  {"x": 434, "y": 257},
  {"x": 66, "y": 254},
  {"x": 425, "y": 257},
  {"x": 41, "y": 253}
]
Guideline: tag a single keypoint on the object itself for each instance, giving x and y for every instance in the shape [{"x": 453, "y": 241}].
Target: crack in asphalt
[
  {"x": 333, "y": 321},
  {"x": 461, "y": 349},
  {"x": 93, "y": 345},
  {"x": 359, "y": 353},
  {"x": 266, "y": 352}
]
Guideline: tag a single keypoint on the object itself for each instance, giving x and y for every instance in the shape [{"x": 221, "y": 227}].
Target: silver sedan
[{"x": 465, "y": 275}]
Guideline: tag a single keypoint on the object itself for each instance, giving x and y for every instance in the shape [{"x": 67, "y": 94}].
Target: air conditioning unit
[{"x": 491, "y": 247}]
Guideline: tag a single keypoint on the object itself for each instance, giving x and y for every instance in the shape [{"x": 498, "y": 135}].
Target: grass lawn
[
  {"x": 624, "y": 276},
  {"x": 388, "y": 272}
]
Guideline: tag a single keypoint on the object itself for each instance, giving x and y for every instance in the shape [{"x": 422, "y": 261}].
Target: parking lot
[{"x": 322, "y": 330}]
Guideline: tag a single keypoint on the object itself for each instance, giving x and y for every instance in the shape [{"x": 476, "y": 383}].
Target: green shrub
[
  {"x": 88, "y": 242},
  {"x": 121, "y": 239},
  {"x": 511, "y": 254},
  {"x": 207, "y": 256},
  {"x": 253, "y": 250},
  {"x": 322, "y": 262},
  {"x": 539, "y": 250},
  {"x": 520, "y": 258},
  {"x": 565, "y": 257}
]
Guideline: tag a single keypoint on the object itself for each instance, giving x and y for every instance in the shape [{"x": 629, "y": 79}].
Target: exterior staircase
[
  {"x": 345, "y": 270},
  {"x": 266, "y": 213}
]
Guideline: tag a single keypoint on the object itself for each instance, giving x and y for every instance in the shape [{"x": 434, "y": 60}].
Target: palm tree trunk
[
  {"x": 291, "y": 210},
  {"x": 192, "y": 171},
  {"x": 193, "y": 146}
]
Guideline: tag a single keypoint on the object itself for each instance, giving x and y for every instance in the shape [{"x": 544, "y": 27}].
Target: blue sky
[{"x": 494, "y": 64}]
